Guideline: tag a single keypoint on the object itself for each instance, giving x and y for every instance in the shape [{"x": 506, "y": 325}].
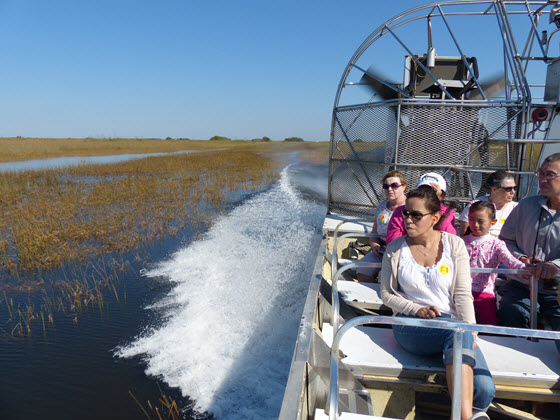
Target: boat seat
[
  {"x": 364, "y": 296},
  {"x": 321, "y": 415},
  {"x": 513, "y": 361}
]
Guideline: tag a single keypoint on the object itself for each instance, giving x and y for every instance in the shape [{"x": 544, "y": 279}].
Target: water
[
  {"x": 232, "y": 317},
  {"x": 213, "y": 324},
  {"x": 38, "y": 164}
]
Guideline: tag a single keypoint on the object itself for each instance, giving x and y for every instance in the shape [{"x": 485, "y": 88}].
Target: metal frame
[
  {"x": 459, "y": 330},
  {"x": 518, "y": 97}
]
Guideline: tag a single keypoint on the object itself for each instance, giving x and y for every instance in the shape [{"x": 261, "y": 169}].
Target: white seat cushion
[
  {"x": 360, "y": 295},
  {"x": 511, "y": 360}
]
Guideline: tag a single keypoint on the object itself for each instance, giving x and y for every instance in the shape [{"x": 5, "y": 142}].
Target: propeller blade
[
  {"x": 491, "y": 87},
  {"x": 375, "y": 82}
]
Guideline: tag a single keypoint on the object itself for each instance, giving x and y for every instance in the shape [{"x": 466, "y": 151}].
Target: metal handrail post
[
  {"x": 533, "y": 297},
  {"x": 457, "y": 373},
  {"x": 334, "y": 265},
  {"x": 333, "y": 394}
]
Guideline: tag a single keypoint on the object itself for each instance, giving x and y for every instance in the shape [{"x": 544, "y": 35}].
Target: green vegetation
[
  {"x": 261, "y": 139},
  {"x": 293, "y": 139},
  {"x": 219, "y": 138}
]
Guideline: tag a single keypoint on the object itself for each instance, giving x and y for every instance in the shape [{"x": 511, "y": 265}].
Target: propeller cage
[
  {"x": 442, "y": 117},
  {"x": 456, "y": 141}
]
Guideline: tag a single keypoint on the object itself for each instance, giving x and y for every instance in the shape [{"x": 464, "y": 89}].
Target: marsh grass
[
  {"x": 64, "y": 224},
  {"x": 64, "y": 232},
  {"x": 76, "y": 289},
  {"x": 18, "y": 149},
  {"x": 166, "y": 408},
  {"x": 76, "y": 213}
]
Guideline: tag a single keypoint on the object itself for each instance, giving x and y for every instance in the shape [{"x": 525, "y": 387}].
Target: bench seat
[
  {"x": 360, "y": 295},
  {"x": 321, "y": 415},
  {"x": 513, "y": 361}
]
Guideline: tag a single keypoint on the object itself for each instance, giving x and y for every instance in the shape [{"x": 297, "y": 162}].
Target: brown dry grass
[
  {"x": 55, "y": 216},
  {"x": 69, "y": 217},
  {"x": 18, "y": 149}
]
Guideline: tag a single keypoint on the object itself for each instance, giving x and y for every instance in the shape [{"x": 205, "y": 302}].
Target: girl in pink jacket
[{"x": 486, "y": 251}]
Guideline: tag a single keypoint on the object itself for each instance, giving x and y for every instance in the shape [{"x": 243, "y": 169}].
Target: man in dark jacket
[{"x": 532, "y": 234}]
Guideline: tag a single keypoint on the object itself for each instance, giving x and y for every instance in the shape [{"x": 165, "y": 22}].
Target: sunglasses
[
  {"x": 549, "y": 176},
  {"x": 394, "y": 186},
  {"x": 416, "y": 216},
  {"x": 508, "y": 189}
]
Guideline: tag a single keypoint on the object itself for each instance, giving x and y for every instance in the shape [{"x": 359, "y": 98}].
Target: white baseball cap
[{"x": 430, "y": 177}]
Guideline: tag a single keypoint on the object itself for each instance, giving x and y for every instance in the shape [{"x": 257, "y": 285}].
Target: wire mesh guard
[{"x": 370, "y": 140}]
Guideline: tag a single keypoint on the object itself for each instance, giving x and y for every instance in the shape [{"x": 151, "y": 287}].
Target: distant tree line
[{"x": 263, "y": 138}]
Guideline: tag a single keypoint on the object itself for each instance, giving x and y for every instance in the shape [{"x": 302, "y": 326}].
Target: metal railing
[
  {"x": 334, "y": 262},
  {"x": 458, "y": 328},
  {"x": 338, "y": 274}
]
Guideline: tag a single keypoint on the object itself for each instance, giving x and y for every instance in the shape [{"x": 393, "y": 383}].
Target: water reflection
[{"x": 38, "y": 164}]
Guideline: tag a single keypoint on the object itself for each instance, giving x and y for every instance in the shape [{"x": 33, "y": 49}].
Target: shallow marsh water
[
  {"x": 214, "y": 318},
  {"x": 37, "y": 164}
]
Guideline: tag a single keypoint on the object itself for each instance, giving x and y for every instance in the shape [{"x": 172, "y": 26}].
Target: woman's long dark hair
[{"x": 432, "y": 202}]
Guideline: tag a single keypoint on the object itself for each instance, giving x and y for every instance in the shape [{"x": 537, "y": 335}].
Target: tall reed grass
[
  {"x": 64, "y": 224},
  {"x": 75, "y": 213}
]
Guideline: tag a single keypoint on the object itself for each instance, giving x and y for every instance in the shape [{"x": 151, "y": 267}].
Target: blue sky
[{"x": 178, "y": 68}]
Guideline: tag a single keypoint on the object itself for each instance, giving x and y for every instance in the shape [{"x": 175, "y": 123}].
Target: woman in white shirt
[
  {"x": 502, "y": 190},
  {"x": 394, "y": 186},
  {"x": 426, "y": 274}
]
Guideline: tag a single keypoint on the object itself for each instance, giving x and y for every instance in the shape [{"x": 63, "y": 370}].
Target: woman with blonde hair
[{"x": 394, "y": 186}]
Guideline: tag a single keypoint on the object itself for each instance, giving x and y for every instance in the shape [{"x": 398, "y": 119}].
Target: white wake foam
[{"x": 231, "y": 320}]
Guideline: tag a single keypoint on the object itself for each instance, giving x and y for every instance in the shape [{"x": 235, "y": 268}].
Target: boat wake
[{"x": 231, "y": 320}]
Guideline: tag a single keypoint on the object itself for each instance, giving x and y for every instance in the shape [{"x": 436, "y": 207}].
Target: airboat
[{"x": 462, "y": 88}]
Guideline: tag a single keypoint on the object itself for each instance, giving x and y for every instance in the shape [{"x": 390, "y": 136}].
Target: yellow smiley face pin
[
  {"x": 382, "y": 217},
  {"x": 444, "y": 269}
]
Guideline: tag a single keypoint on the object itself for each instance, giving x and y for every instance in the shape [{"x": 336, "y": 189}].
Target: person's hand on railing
[
  {"x": 376, "y": 247},
  {"x": 428, "y": 312},
  {"x": 542, "y": 270}
]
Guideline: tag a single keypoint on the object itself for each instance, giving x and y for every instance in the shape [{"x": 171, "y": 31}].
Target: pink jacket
[
  {"x": 488, "y": 252},
  {"x": 396, "y": 224}
]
